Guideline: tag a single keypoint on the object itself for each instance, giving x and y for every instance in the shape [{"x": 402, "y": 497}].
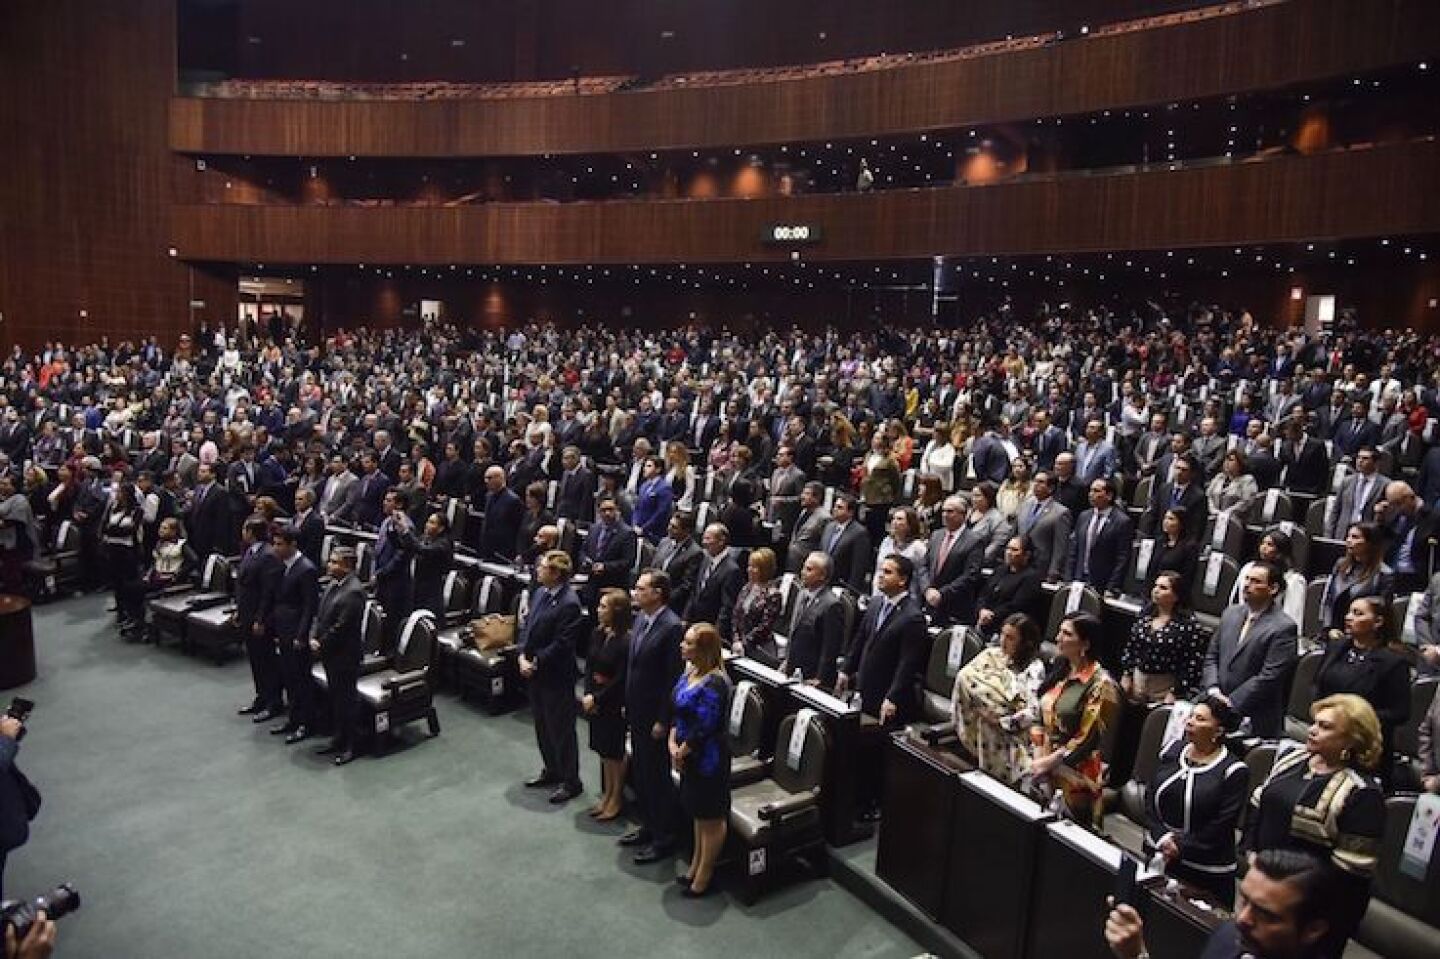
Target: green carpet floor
[{"x": 191, "y": 833}]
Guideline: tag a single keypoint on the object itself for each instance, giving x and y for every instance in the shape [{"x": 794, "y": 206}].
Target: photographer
[{"x": 19, "y": 800}]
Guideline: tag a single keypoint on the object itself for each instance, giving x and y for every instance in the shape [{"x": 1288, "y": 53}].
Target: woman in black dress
[
  {"x": 1366, "y": 663},
  {"x": 700, "y": 751},
  {"x": 604, "y": 698},
  {"x": 535, "y": 516},
  {"x": 1194, "y": 800},
  {"x": 1165, "y": 656},
  {"x": 1175, "y": 550},
  {"x": 1323, "y": 800},
  {"x": 434, "y": 555}
]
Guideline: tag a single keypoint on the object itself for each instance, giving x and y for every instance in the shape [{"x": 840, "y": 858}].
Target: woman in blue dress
[{"x": 700, "y": 751}]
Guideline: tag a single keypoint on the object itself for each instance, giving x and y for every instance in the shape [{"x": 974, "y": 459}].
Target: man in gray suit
[
  {"x": 678, "y": 557},
  {"x": 339, "y": 491},
  {"x": 1209, "y": 448},
  {"x": 817, "y": 625},
  {"x": 1253, "y": 653},
  {"x": 809, "y": 526},
  {"x": 1095, "y": 456},
  {"x": 1046, "y": 523},
  {"x": 786, "y": 482},
  {"x": 1355, "y": 503},
  {"x": 336, "y": 639}
]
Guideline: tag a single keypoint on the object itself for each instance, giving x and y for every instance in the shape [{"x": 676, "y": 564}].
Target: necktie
[
  {"x": 801, "y": 607},
  {"x": 1245, "y": 629},
  {"x": 831, "y": 538},
  {"x": 602, "y": 536},
  {"x": 1096, "y": 524},
  {"x": 1175, "y": 495},
  {"x": 882, "y": 615},
  {"x": 1034, "y": 515},
  {"x": 705, "y": 571},
  {"x": 944, "y": 552},
  {"x": 1362, "y": 494}
]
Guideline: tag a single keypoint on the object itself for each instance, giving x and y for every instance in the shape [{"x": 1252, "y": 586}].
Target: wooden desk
[
  {"x": 17, "y": 642},
  {"x": 918, "y": 818}
]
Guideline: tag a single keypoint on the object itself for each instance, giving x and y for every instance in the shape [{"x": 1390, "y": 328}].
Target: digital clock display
[{"x": 792, "y": 233}]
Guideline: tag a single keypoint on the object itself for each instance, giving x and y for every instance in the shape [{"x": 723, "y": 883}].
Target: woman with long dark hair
[{"x": 1079, "y": 704}]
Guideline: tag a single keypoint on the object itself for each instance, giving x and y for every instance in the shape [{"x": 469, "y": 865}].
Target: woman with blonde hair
[
  {"x": 604, "y": 700},
  {"x": 1323, "y": 799},
  {"x": 681, "y": 475},
  {"x": 700, "y": 752}
]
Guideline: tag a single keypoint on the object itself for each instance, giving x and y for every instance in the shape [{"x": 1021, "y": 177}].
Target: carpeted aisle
[{"x": 192, "y": 833}]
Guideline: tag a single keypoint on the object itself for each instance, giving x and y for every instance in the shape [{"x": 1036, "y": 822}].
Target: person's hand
[
  {"x": 887, "y": 711},
  {"x": 10, "y": 727},
  {"x": 932, "y": 596},
  {"x": 527, "y": 667},
  {"x": 1043, "y": 765},
  {"x": 39, "y": 941},
  {"x": 1124, "y": 930},
  {"x": 842, "y": 684},
  {"x": 314, "y": 645},
  {"x": 587, "y": 703}
]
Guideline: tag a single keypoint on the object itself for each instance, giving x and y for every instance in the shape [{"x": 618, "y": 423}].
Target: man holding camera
[{"x": 19, "y": 800}]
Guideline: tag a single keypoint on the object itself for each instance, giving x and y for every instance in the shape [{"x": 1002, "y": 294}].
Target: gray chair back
[
  {"x": 1302, "y": 694},
  {"x": 810, "y": 771},
  {"x": 1229, "y": 538},
  {"x": 1214, "y": 581},
  {"x": 1147, "y": 758},
  {"x": 1407, "y": 734},
  {"x": 744, "y": 737},
  {"x": 372, "y": 626},
  {"x": 1314, "y": 605},
  {"x": 417, "y": 642},
  {"x": 1315, "y": 516},
  {"x": 1078, "y": 595},
  {"x": 1273, "y": 506},
  {"x": 1259, "y": 761},
  {"x": 489, "y": 596}
]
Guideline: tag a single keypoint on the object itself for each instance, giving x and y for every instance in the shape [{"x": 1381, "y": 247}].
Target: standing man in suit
[
  {"x": 1151, "y": 447},
  {"x": 309, "y": 527},
  {"x": 609, "y": 551},
  {"x": 848, "y": 544},
  {"x": 817, "y": 625},
  {"x": 885, "y": 660},
  {"x": 955, "y": 555},
  {"x": 1253, "y": 652},
  {"x": 1303, "y": 458},
  {"x": 297, "y": 596},
  {"x": 654, "y": 501},
  {"x": 717, "y": 582},
  {"x": 1069, "y": 492},
  {"x": 786, "y": 482},
  {"x": 1046, "y": 523},
  {"x": 809, "y": 526},
  {"x": 1100, "y": 542},
  {"x": 1049, "y": 442},
  {"x": 336, "y": 639},
  {"x": 654, "y": 666},
  {"x": 1208, "y": 449},
  {"x": 208, "y": 519},
  {"x": 503, "y": 514},
  {"x": 678, "y": 557},
  {"x": 547, "y": 640},
  {"x": 1357, "y": 432},
  {"x": 394, "y": 546},
  {"x": 367, "y": 506},
  {"x": 1095, "y": 457},
  {"x": 1185, "y": 495},
  {"x": 339, "y": 490},
  {"x": 1355, "y": 503},
  {"x": 255, "y": 584},
  {"x": 576, "y": 496}
]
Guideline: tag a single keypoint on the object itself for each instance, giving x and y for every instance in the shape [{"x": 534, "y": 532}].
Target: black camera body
[
  {"x": 20, "y": 708},
  {"x": 20, "y": 913}
]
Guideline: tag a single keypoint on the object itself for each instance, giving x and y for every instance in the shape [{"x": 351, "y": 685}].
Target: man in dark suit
[
  {"x": 1100, "y": 542},
  {"x": 309, "y": 527},
  {"x": 955, "y": 556},
  {"x": 369, "y": 501},
  {"x": 1253, "y": 652},
  {"x": 817, "y": 625},
  {"x": 503, "y": 515},
  {"x": 1303, "y": 458},
  {"x": 1356, "y": 432},
  {"x": 1184, "y": 494},
  {"x": 207, "y": 522},
  {"x": 809, "y": 526},
  {"x": 1069, "y": 491},
  {"x": 1049, "y": 441},
  {"x": 786, "y": 482},
  {"x": 394, "y": 547},
  {"x": 387, "y": 457},
  {"x": 575, "y": 499},
  {"x": 1046, "y": 523},
  {"x": 296, "y": 597},
  {"x": 1410, "y": 530},
  {"x": 242, "y": 481},
  {"x": 889, "y": 650},
  {"x": 255, "y": 582},
  {"x": 653, "y": 667},
  {"x": 1013, "y": 588},
  {"x": 19, "y": 800},
  {"x": 609, "y": 551},
  {"x": 336, "y": 639},
  {"x": 678, "y": 557},
  {"x": 717, "y": 582},
  {"x": 848, "y": 544},
  {"x": 547, "y": 640}
]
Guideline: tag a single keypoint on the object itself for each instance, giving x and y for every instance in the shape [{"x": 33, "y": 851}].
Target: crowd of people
[{"x": 940, "y": 477}]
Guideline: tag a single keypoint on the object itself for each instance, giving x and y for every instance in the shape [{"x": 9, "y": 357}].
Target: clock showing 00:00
[{"x": 792, "y": 233}]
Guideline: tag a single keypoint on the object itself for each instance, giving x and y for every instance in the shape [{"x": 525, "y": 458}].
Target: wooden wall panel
[
  {"x": 85, "y": 192},
  {"x": 1369, "y": 192},
  {"x": 1256, "y": 49}
]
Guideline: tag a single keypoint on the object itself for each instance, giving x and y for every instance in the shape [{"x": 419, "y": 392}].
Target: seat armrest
[
  {"x": 785, "y": 808},
  {"x": 415, "y": 677},
  {"x": 175, "y": 589},
  {"x": 940, "y": 734},
  {"x": 373, "y": 663}
]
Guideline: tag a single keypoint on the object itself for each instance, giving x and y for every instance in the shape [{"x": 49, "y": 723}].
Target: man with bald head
[
  {"x": 503, "y": 513},
  {"x": 1410, "y": 528}
]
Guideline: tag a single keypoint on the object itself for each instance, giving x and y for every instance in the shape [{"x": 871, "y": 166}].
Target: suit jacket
[
  {"x": 1352, "y": 434},
  {"x": 208, "y": 522},
  {"x": 550, "y": 636},
  {"x": 501, "y": 526},
  {"x": 1209, "y": 452},
  {"x": 958, "y": 580},
  {"x": 817, "y": 636},
  {"x": 1343, "y": 506},
  {"x": 886, "y": 659},
  {"x": 989, "y": 459},
  {"x": 1266, "y": 470},
  {"x": 784, "y": 503},
  {"x": 337, "y": 498},
  {"x": 1048, "y": 446},
  {"x": 1006, "y": 593},
  {"x": 309, "y": 535},
  {"x": 19, "y": 800},
  {"x": 1149, "y": 449},
  {"x": 1049, "y": 533},
  {"x": 297, "y": 596},
  {"x": 616, "y": 555},
  {"x": 1097, "y": 462},
  {"x": 576, "y": 497},
  {"x": 713, "y": 600},
  {"x": 369, "y": 499},
  {"x": 654, "y": 503},
  {"x": 339, "y": 622},
  {"x": 806, "y": 538},
  {"x": 1109, "y": 554},
  {"x": 1073, "y": 495},
  {"x": 679, "y": 561},
  {"x": 852, "y": 553},
  {"x": 1306, "y": 465},
  {"x": 1430, "y": 740},
  {"x": 653, "y": 667},
  {"x": 1254, "y": 675},
  {"x": 255, "y": 582},
  {"x": 1192, "y": 504}
]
